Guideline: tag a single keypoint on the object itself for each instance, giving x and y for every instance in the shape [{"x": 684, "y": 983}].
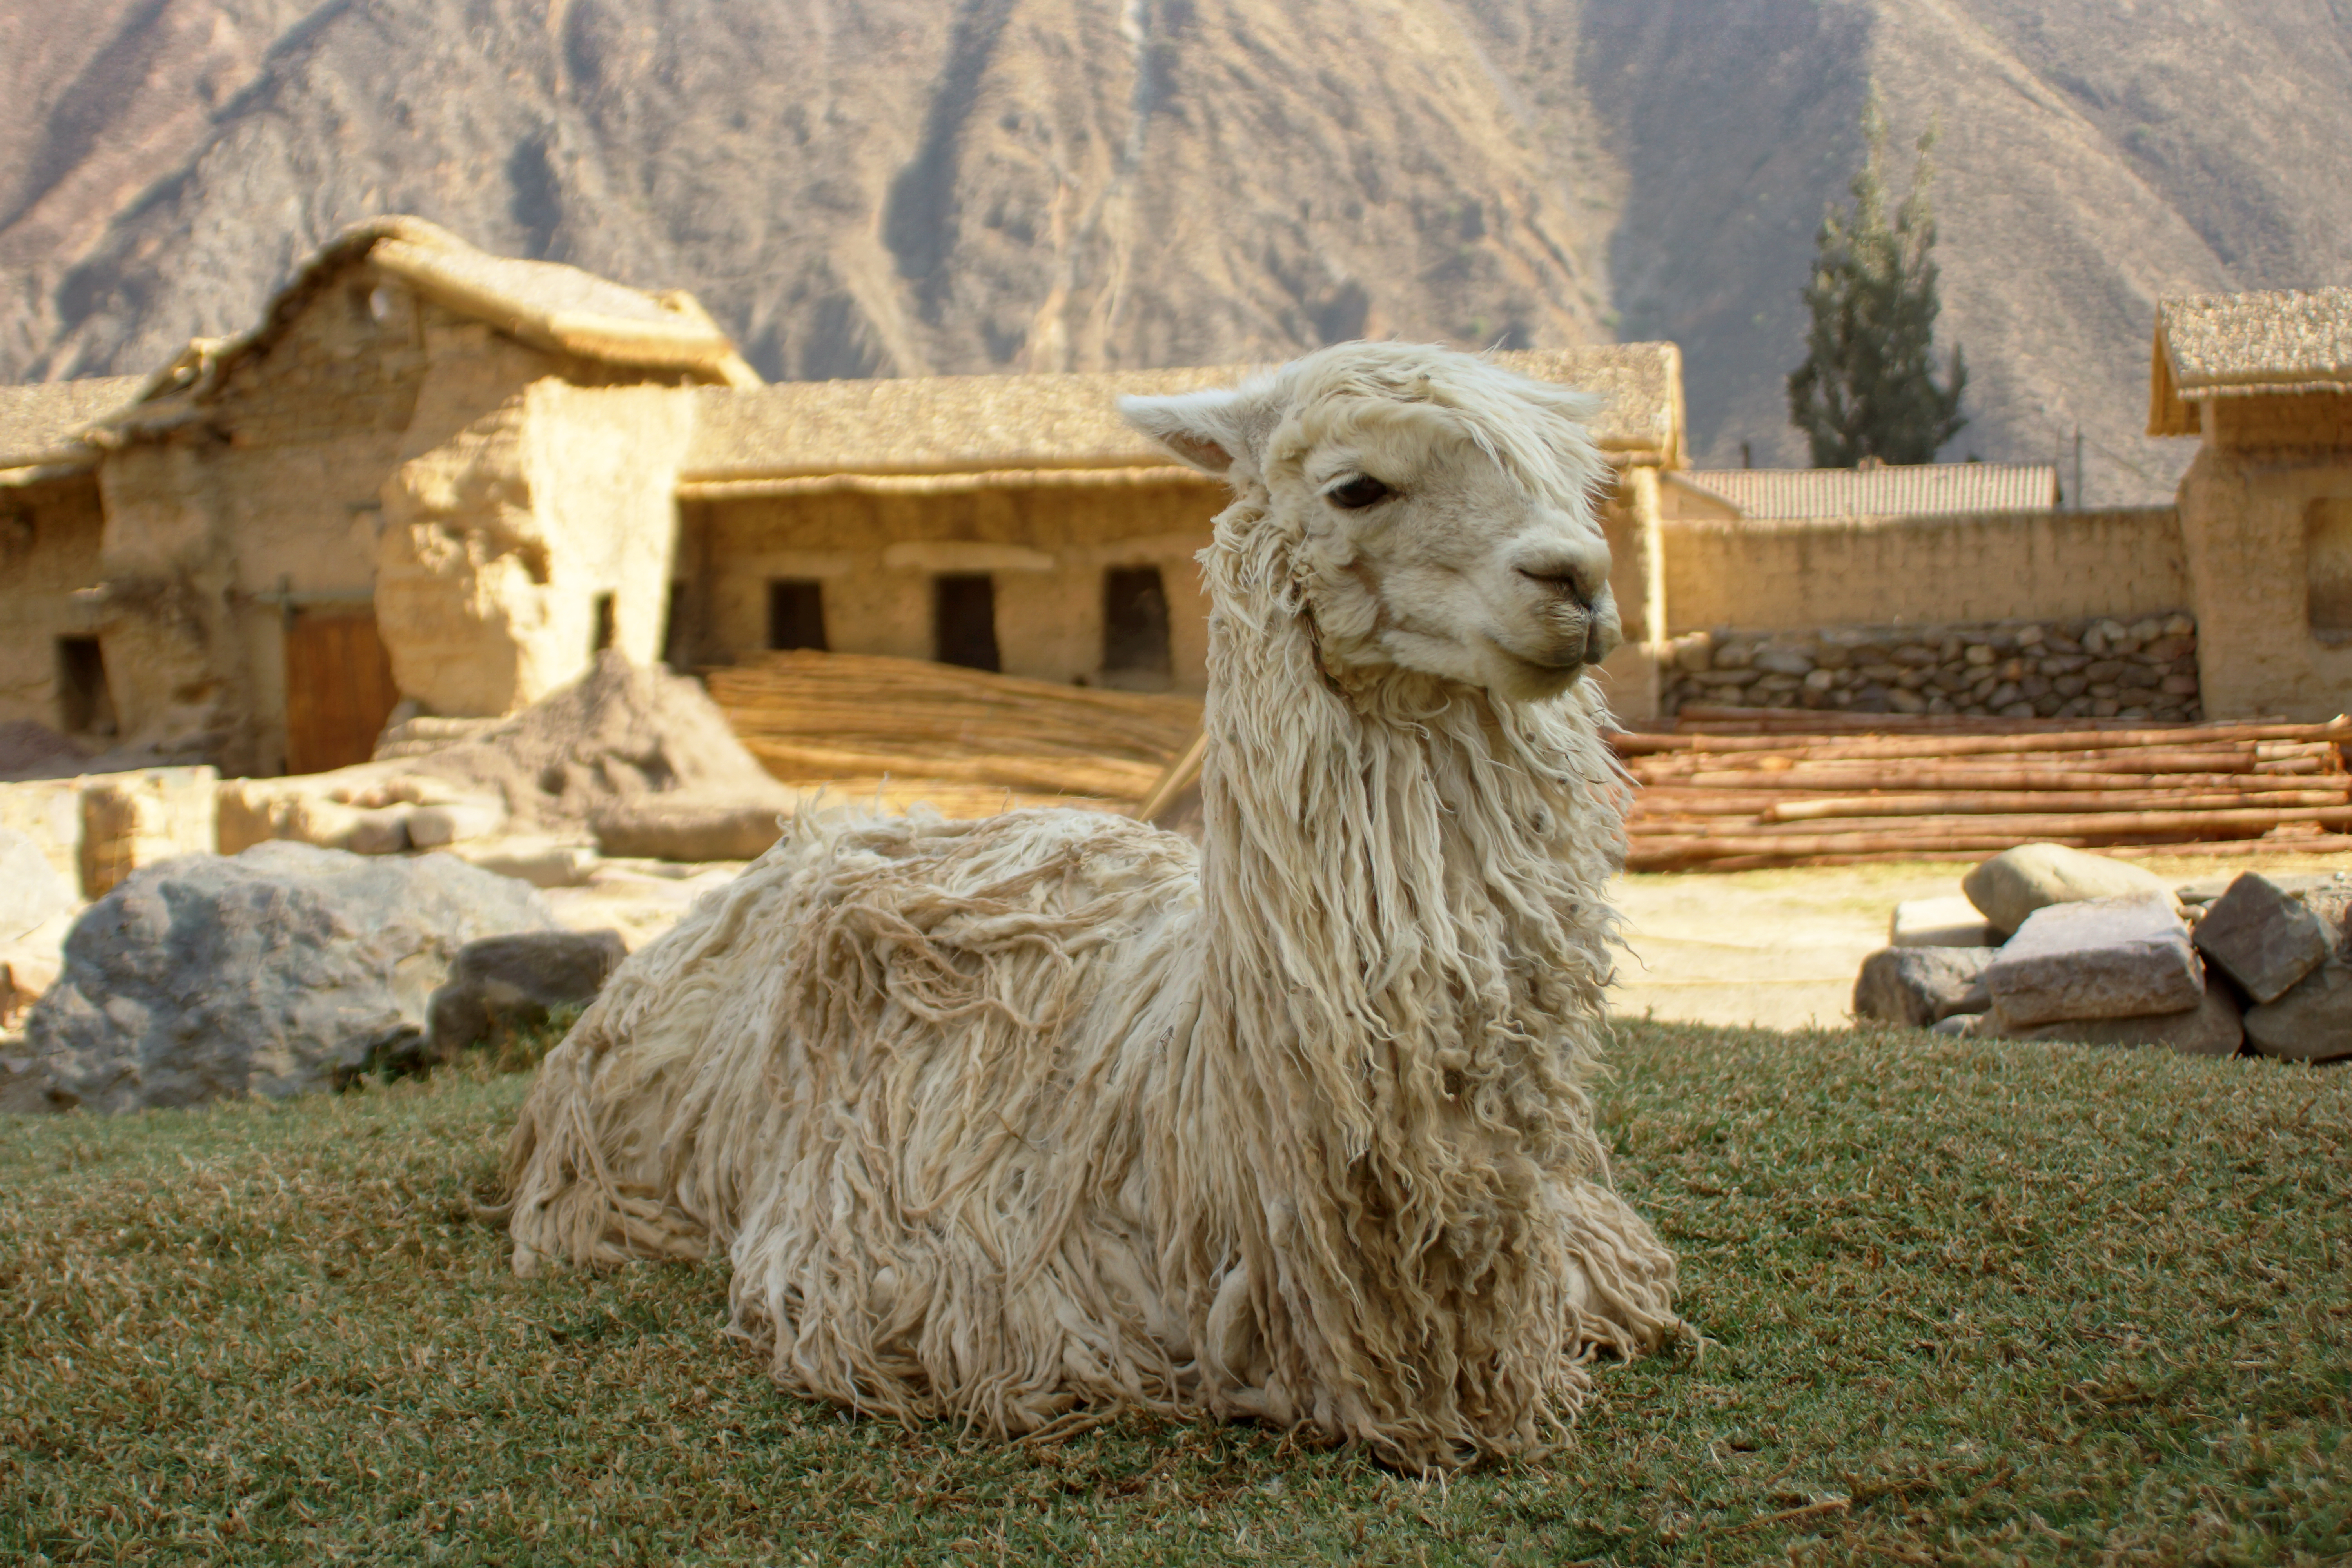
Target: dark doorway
[
  {"x": 85, "y": 702},
  {"x": 796, "y": 614},
  {"x": 602, "y": 638},
  {"x": 1135, "y": 628},
  {"x": 963, "y": 622}
]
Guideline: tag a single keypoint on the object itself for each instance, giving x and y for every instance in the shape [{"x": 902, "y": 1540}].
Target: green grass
[{"x": 1964, "y": 1303}]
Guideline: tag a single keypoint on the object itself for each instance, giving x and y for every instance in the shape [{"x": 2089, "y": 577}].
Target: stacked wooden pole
[
  {"x": 1730, "y": 790},
  {"x": 968, "y": 741}
]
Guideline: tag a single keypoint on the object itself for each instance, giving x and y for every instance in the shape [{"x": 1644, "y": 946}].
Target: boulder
[
  {"x": 2099, "y": 958},
  {"x": 2212, "y": 1028},
  {"x": 284, "y": 969},
  {"x": 2016, "y": 882},
  {"x": 31, "y": 892},
  {"x": 2264, "y": 937},
  {"x": 1922, "y": 985},
  {"x": 2312, "y": 1022},
  {"x": 1939, "y": 923},
  {"x": 511, "y": 981},
  {"x": 683, "y": 828}
]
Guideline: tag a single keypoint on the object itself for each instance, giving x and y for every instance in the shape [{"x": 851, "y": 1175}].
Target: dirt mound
[{"x": 618, "y": 733}]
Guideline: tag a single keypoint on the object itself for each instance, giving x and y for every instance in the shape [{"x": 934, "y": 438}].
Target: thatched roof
[
  {"x": 544, "y": 303},
  {"x": 2280, "y": 341},
  {"x": 976, "y": 423},
  {"x": 1906, "y": 489},
  {"x": 41, "y": 425}
]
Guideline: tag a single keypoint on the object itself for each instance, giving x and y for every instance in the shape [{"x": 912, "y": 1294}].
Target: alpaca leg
[{"x": 1622, "y": 1285}]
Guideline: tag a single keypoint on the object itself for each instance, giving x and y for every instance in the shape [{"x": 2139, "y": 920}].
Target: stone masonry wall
[{"x": 2088, "y": 667}]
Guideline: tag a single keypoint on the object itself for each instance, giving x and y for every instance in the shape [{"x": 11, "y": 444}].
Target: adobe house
[
  {"x": 1017, "y": 523},
  {"x": 2265, "y": 381},
  {"x": 443, "y": 479},
  {"x": 429, "y": 473},
  {"x": 51, "y": 519}
]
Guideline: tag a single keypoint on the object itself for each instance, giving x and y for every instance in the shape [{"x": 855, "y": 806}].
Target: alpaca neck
[{"x": 1401, "y": 882}]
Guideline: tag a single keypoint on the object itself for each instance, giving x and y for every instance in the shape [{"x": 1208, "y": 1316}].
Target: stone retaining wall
[{"x": 2089, "y": 667}]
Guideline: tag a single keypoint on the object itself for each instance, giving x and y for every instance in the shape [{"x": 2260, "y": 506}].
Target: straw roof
[
  {"x": 1905, "y": 489},
  {"x": 41, "y": 425},
  {"x": 999, "y": 423},
  {"x": 546, "y": 304},
  {"x": 2280, "y": 341}
]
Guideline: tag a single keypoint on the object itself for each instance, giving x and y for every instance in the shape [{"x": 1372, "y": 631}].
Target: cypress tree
[{"x": 1868, "y": 387}]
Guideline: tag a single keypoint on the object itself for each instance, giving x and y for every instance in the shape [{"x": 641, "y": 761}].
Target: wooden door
[{"x": 339, "y": 689}]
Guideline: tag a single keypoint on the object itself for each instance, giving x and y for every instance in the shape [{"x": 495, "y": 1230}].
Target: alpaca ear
[{"x": 1207, "y": 429}]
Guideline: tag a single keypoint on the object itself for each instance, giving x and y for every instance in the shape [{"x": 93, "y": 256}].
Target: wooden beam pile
[
  {"x": 969, "y": 741},
  {"x": 1731, "y": 789}
]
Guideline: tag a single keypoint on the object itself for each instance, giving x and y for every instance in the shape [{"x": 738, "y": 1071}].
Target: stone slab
[
  {"x": 2310, "y": 1023},
  {"x": 2016, "y": 882},
  {"x": 2262, "y": 937},
  {"x": 1920, "y": 985},
  {"x": 1939, "y": 923},
  {"x": 2097, "y": 958},
  {"x": 2212, "y": 1028}
]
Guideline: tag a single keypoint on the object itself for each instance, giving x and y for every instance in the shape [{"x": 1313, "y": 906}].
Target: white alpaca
[{"x": 1003, "y": 1118}]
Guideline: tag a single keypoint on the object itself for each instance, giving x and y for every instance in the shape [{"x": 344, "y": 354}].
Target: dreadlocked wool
[{"x": 1000, "y": 1120}]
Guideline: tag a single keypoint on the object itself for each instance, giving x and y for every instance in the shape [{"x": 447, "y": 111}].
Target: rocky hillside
[{"x": 863, "y": 187}]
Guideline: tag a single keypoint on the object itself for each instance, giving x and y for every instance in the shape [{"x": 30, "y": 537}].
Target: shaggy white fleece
[{"x": 997, "y": 1120}]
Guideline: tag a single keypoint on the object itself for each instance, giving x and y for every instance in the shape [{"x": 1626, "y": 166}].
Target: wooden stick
[
  {"x": 2336, "y": 730},
  {"x": 1181, "y": 776},
  {"x": 1799, "y": 782},
  {"x": 1990, "y": 802}
]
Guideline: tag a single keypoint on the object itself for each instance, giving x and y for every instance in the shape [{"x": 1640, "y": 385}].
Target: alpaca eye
[{"x": 1357, "y": 493}]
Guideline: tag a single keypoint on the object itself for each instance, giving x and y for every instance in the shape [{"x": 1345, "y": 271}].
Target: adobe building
[
  {"x": 1017, "y": 523},
  {"x": 2265, "y": 381},
  {"x": 437, "y": 479},
  {"x": 428, "y": 474}
]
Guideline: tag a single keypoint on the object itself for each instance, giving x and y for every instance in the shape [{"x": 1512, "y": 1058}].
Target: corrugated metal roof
[
  {"x": 1907, "y": 490},
  {"x": 39, "y": 423},
  {"x": 957, "y": 423}
]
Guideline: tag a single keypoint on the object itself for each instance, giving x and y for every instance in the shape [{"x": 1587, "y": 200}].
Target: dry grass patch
[{"x": 1966, "y": 1301}]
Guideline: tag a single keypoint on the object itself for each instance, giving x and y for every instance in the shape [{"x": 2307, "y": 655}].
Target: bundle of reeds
[
  {"x": 1728, "y": 790},
  {"x": 969, "y": 741}
]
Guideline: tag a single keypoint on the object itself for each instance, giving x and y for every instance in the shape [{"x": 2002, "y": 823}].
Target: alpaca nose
[{"x": 1578, "y": 571}]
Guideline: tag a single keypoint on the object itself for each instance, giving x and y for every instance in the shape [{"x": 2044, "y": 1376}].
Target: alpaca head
[{"x": 1436, "y": 510}]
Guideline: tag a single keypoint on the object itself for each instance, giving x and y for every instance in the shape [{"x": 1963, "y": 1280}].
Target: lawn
[{"x": 1961, "y": 1302}]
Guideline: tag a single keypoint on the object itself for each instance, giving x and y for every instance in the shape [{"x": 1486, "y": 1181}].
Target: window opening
[
  {"x": 2327, "y": 569},
  {"x": 963, "y": 622},
  {"x": 1135, "y": 628},
  {"x": 603, "y": 636},
  {"x": 796, "y": 614}
]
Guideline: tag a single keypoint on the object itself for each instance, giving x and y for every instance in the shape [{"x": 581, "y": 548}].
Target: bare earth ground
[{"x": 1779, "y": 949}]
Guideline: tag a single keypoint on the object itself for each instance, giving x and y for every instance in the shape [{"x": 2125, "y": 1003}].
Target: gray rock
[
  {"x": 31, "y": 892},
  {"x": 2098, "y": 958},
  {"x": 2212, "y": 1028},
  {"x": 2312, "y": 1023},
  {"x": 2262, "y": 937},
  {"x": 2016, "y": 882},
  {"x": 511, "y": 981},
  {"x": 1920, "y": 985},
  {"x": 668, "y": 828},
  {"x": 282, "y": 970}
]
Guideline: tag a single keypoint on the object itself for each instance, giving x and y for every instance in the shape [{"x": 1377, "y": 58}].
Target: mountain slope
[{"x": 894, "y": 188}]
